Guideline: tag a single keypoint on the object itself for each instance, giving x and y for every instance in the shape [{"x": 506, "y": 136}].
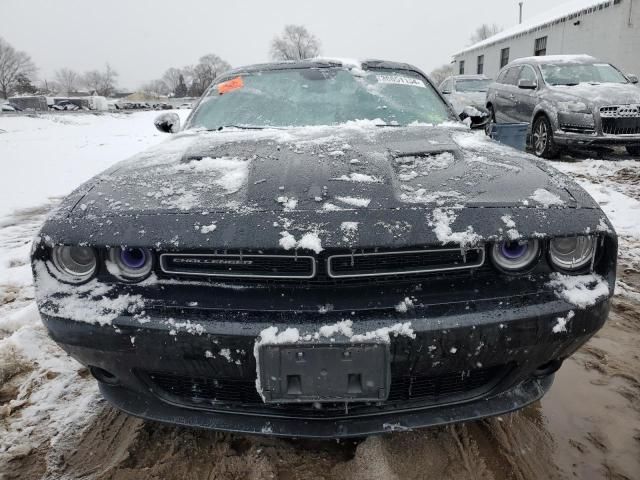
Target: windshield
[
  {"x": 574, "y": 74},
  {"x": 473, "y": 85},
  {"x": 320, "y": 96}
]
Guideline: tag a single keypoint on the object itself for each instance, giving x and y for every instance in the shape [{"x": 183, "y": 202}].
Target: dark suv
[{"x": 569, "y": 100}]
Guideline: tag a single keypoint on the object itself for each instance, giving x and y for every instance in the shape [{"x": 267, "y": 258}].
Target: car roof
[
  {"x": 555, "y": 59},
  {"x": 323, "y": 62},
  {"x": 470, "y": 77}
]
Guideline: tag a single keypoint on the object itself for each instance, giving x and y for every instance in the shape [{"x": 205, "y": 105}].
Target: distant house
[{"x": 606, "y": 29}]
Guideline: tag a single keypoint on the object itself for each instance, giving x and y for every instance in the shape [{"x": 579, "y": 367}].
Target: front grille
[
  {"x": 620, "y": 111},
  {"x": 402, "y": 263},
  {"x": 239, "y": 265},
  {"x": 330, "y": 267},
  {"x": 241, "y": 394},
  {"x": 620, "y": 119}
]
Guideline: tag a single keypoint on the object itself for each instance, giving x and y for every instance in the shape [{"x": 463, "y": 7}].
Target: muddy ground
[{"x": 588, "y": 426}]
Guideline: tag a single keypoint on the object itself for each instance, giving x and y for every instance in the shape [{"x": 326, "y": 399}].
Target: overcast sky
[{"x": 142, "y": 38}]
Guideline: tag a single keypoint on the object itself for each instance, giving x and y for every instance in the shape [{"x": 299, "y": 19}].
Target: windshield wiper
[{"x": 241, "y": 127}]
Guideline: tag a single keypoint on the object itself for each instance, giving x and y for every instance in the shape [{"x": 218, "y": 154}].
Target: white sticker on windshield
[{"x": 400, "y": 80}]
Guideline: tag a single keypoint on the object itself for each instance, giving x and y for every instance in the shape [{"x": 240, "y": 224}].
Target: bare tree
[
  {"x": 67, "y": 79},
  {"x": 92, "y": 80},
  {"x": 439, "y": 74},
  {"x": 295, "y": 43},
  {"x": 208, "y": 68},
  {"x": 171, "y": 78},
  {"x": 484, "y": 31},
  {"x": 14, "y": 66},
  {"x": 109, "y": 81}
]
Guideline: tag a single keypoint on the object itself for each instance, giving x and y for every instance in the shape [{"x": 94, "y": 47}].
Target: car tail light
[
  {"x": 515, "y": 256},
  {"x": 74, "y": 264},
  {"x": 571, "y": 253},
  {"x": 131, "y": 263}
]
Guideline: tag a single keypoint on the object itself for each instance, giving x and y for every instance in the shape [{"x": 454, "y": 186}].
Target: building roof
[{"x": 557, "y": 14}]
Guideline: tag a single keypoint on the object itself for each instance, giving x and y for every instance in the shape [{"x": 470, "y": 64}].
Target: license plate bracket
[{"x": 324, "y": 373}]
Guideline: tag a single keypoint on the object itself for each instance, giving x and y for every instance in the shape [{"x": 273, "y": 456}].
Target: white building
[{"x": 606, "y": 29}]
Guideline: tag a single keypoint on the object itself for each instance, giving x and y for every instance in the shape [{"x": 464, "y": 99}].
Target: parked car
[
  {"x": 186, "y": 105},
  {"x": 65, "y": 105},
  {"x": 9, "y": 107},
  {"x": 321, "y": 252},
  {"x": 162, "y": 106},
  {"x": 468, "y": 95},
  {"x": 569, "y": 101}
]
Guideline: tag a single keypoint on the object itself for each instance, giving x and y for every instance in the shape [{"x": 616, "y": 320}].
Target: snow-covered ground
[{"x": 55, "y": 407}]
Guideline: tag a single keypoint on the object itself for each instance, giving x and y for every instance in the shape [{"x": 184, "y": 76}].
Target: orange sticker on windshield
[{"x": 230, "y": 85}]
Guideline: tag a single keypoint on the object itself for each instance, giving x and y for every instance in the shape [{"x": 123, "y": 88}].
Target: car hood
[
  {"x": 323, "y": 169},
  {"x": 598, "y": 95},
  {"x": 352, "y": 186}
]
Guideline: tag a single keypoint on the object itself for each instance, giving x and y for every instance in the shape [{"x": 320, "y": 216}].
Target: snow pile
[
  {"x": 512, "y": 233},
  {"x": 580, "y": 290},
  {"x": 358, "y": 177},
  {"x": 87, "y": 303},
  {"x": 208, "y": 228},
  {"x": 355, "y": 201},
  {"x": 546, "y": 198},
  {"x": 410, "y": 167},
  {"x": 309, "y": 241},
  {"x": 404, "y": 305},
  {"x": 441, "y": 221},
  {"x": 231, "y": 172},
  {"x": 561, "y": 322},
  {"x": 422, "y": 195},
  {"x": 349, "y": 231},
  {"x": 289, "y": 203}
]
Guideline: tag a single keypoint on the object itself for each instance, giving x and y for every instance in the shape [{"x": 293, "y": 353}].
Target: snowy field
[{"x": 53, "y": 423}]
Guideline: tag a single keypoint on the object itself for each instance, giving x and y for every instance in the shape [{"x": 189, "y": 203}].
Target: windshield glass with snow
[
  {"x": 473, "y": 85},
  {"x": 320, "y": 96},
  {"x": 574, "y": 74}
]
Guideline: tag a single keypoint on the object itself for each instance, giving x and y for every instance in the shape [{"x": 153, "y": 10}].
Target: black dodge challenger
[{"x": 323, "y": 250}]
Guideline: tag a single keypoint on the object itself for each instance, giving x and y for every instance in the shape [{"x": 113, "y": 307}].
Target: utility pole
[{"x": 520, "y": 3}]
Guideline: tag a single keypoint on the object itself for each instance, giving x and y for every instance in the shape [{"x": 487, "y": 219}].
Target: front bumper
[
  {"x": 511, "y": 342},
  {"x": 595, "y": 140}
]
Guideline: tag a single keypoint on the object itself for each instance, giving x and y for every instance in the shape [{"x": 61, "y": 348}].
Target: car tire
[
  {"x": 491, "y": 121},
  {"x": 542, "y": 138},
  {"x": 633, "y": 150}
]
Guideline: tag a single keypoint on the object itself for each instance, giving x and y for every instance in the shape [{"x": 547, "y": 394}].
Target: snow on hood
[
  {"x": 297, "y": 188},
  {"x": 316, "y": 169},
  {"x": 599, "y": 94}
]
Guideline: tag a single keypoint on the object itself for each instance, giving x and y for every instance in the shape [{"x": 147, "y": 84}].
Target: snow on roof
[
  {"x": 556, "y": 59},
  {"x": 557, "y": 14}
]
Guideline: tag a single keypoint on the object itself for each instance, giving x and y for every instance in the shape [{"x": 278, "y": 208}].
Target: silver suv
[{"x": 568, "y": 100}]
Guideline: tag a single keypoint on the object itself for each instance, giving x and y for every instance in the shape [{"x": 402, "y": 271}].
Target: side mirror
[
  {"x": 167, "y": 122},
  {"x": 632, "y": 78},
  {"x": 526, "y": 84}
]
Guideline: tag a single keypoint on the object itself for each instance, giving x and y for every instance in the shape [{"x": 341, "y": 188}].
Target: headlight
[
  {"x": 132, "y": 264},
  {"x": 571, "y": 253},
  {"x": 76, "y": 264},
  {"x": 515, "y": 255}
]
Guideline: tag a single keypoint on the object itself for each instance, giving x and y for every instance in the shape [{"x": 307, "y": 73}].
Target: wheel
[
  {"x": 491, "y": 121},
  {"x": 542, "y": 138},
  {"x": 633, "y": 150}
]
